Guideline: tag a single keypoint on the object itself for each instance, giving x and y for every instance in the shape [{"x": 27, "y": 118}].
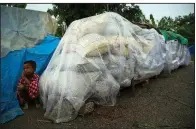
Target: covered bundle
[{"x": 96, "y": 56}]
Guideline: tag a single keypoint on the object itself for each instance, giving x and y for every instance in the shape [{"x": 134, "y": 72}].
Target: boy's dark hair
[{"x": 32, "y": 63}]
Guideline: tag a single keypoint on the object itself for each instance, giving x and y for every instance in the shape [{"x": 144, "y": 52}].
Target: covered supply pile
[
  {"x": 98, "y": 55},
  {"x": 22, "y": 28},
  {"x": 192, "y": 49},
  {"x": 177, "y": 53}
]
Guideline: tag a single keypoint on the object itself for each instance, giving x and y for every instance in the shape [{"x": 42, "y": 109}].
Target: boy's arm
[
  {"x": 20, "y": 84},
  {"x": 25, "y": 79},
  {"x": 23, "y": 82}
]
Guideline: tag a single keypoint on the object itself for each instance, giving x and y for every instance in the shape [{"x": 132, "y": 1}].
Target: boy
[{"x": 28, "y": 85}]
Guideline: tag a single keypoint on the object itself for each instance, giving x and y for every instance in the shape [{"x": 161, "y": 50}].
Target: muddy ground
[{"x": 167, "y": 102}]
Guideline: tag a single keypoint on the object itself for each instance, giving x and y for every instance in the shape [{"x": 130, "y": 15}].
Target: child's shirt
[{"x": 33, "y": 88}]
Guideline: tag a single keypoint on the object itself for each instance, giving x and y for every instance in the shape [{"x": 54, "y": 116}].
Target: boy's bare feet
[
  {"x": 25, "y": 106},
  {"x": 37, "y": 105}
]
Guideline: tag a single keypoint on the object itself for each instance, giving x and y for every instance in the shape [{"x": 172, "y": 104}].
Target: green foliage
[
  {"x": 166, "y": 23},
  {"x": 133, "y": 13},
  {"x": 184, "y": 26},
  {"x": 152, "y": 21}
]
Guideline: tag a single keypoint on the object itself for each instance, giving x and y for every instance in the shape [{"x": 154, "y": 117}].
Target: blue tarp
[
  {"x": 11, "y": 69},
  {"x": 192, "y": 50}
]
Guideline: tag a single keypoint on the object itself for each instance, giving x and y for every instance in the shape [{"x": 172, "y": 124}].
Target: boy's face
[{"x": 28, "y": 69}]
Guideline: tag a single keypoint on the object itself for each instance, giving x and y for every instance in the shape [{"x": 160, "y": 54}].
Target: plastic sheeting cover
[
  {"x": 96, "y": 56},
  {"x": 21, "y": 28},
  {"x": 11, "y": 69},
  {"x": 169, "y": 35},
  {"x": 192, "y": 49},
  {"x": 176, "y": 55}
]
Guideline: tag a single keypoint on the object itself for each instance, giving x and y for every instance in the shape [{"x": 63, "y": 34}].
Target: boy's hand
[
  {"x": 21, "y": 87},
  {"x": 25, "y": 78},
  {"x": 23, "y": 75}
]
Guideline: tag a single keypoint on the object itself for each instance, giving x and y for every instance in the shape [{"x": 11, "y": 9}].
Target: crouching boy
[{"x": 28, "y": 85}]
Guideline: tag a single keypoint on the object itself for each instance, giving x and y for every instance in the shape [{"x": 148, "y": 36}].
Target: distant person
[{"x": 28, "y": 85}]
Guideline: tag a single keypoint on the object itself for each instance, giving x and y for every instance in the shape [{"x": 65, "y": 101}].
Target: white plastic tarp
[
  {"x": 21, "y": 28},
  {"x": 176, "y": 55},
  {"x": 96, "y": 56}
]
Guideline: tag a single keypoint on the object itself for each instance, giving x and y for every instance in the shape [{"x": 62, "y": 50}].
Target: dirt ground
[{"x": 167, "y": 102}]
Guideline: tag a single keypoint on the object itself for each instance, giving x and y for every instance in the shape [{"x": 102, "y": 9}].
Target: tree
[
  {"x": 186, "y": 26},
  {"x": 133, "y": 13},
  {"x": 15, "y": 5},
  {"x": 153, "y": 21},
  {"x": 71, "y": 12},
  {"x": 166, "y": 23},
  {"x": 183, "y": 25}
]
